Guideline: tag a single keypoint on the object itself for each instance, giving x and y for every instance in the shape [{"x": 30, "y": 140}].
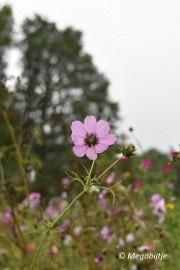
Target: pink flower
[
  {"x": 110, "y": 179},
  {"x": 30, "y": 248},
  {"x": 155, "y": 198},
  {"x": 65, "y": 181},
  {"x": 7, "y": 218},
  {"x": 158, "y": 205},
  {"x": 166, "y": 168},
  {"x": 170, "y": 185},
  {"x": 34, "y": 199},
  {"x": 124, "y": 160},
  {"x": 145, "y": 247},
  {"x": 54, "y": 250},
  {"x": 107, "y": 235},
  {"x": 121, "y": 243},
  {"x": 113, "y": 211},
  {"x": 159, "y": 210},
  {"x": 66, "y": 223},
  {"x": 98, "y": 258},
  {"x": 91, "y": 138},
  {"x": 137, "y": 184},
  {"x": 147, "y": 164},
  {"x": 129, "y": 238}
]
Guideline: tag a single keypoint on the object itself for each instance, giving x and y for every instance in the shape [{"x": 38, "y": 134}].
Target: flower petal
[
  {"x": 77, "y": 140},
  {"x": 80, "y": 150},
  {"x": 78, "y": 128},
  {"x": 102, "y": 128},
  {"x": 100, "y": 147},
  {"x": 108, "y": 139},
  {"x": 90, "y": 124},
  {"x": 91, "y": 153}
]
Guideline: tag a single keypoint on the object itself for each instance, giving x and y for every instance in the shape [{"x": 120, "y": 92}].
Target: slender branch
[
  {"x": 18, "y": 152},
  {"x": 66, "y": 209},
  {"x": 51, "y": 227},
  {"x": 114, "y": 163},
  {"x": 89, "y": 174},
  {"x": 38, "y": 249}
]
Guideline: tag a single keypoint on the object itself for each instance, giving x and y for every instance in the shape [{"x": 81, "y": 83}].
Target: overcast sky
[{"x": 136, "y": 43}]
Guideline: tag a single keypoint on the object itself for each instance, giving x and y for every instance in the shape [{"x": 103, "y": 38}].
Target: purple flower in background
[
  {"x": 145, "y": 247},
  {"x": 65, "y": 181},
  {"x": 113, "y": 211},
  {"x": 66, "y": 223},
  {"x": 147, "y": 164},
  {"x": 107, "y": 235},
  {"x": 137, "y": 184},
  {"x": 155, "y": 198},
  {"x": 170, "y": 185},
  {"x": 158, "y": 205},
  {"x": 91, "y": 137},
  {"x": 98, "y": 258},
  {"x": 110, "y": 179},
  {"x": 166, "y": 169},
  {"x": 129, "y": 238},
  {"x": 54, "y": 250},
  {"x": 34, "y": 199},
  {"x": 7, "y": 218}
]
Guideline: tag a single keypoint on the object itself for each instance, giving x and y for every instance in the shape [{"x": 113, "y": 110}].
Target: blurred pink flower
[
  {"x": 129, "y": 238},
  {"x": 51, "y": 212},
  {"x": 102, "y": 201},
  {"x": 121, "y": 243},
  {"x": 147, "y": 164},
  {"x": 159, "y": 210},
  {"x": 155, "y": 198},
  {"x": 113, "y": 211},
  {"x": 34, "y": 199},
  {"x": 91, "y": 137},
  {"x": 110, "y": 179},
  {"x": 7, "y": 218},
  {"x": 107, "y": 235},
  {"x": 64, "y": 225},
  {"x": 98, "y": 258},
  {"x": 124, "y": 160},
  {"x": 170, "y": 185},
  {"x": 166, "y": 169},
  {"x": 158, "y": 205},
  {"x": 137, "y": 184},
  {"x": 54, "y": 250},
  {"x": 31, "y": 247},
  {"x": 145, "y": 247},
  {"x": 140, "y": 213},
  {"x": 65, "y": 181}
]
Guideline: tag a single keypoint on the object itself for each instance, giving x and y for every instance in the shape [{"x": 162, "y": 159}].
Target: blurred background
[
  {"x": 135, "y": 44},
  {"x": 63, "y": 60}
]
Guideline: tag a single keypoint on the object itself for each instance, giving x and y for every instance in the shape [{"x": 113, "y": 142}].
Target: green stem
[
  {"x": 67, "y": 208},
  {"x": 89, "y": 174},
  {"x": 18, "y": 151},
  {"x": 51, "y": 227},
  {"x": 114, "y": 163},
  {"x": 38, "y": 249}
]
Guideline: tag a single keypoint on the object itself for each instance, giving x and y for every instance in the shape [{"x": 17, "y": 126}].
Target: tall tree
[
  {"x": 6, "y": 25},
  {"x": 60, "y": 84}
]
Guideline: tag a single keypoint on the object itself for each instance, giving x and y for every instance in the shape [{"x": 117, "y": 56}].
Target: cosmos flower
[
  {"x": 110, "y": 179},
  {"x": 166, "y": 169},
  {"x": 7, "y": 218},
  {"x": 34, "y": 199},
  {"x": 91, "y": 137},
  {"x": 147, "y": 164},
  {"x": 137, "y": 184}
]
